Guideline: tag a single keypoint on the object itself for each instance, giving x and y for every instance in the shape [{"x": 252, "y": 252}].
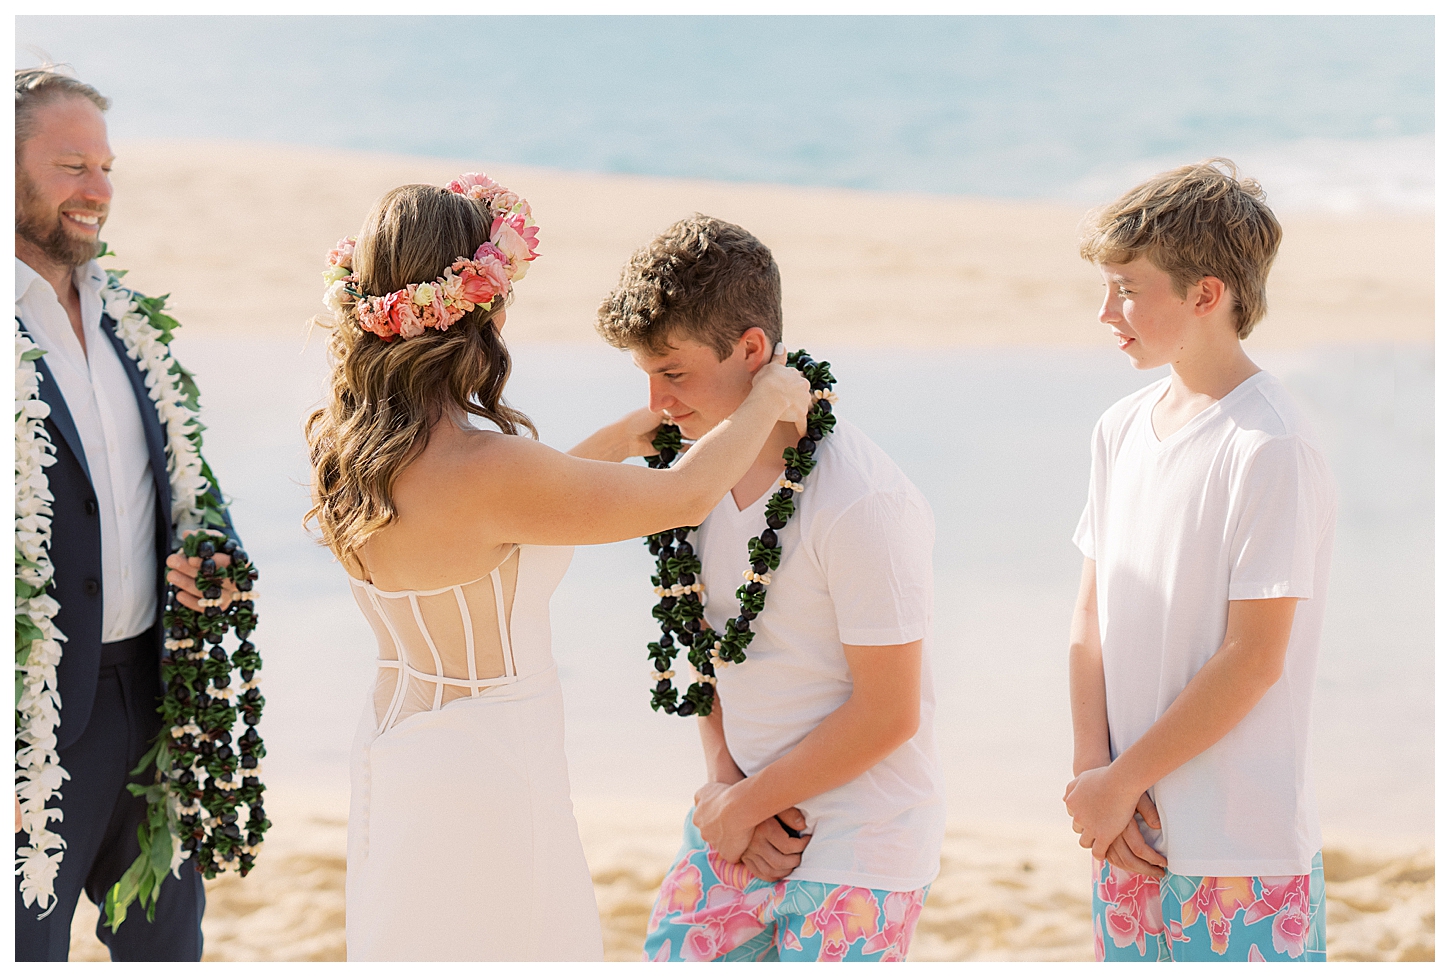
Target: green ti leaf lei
[{"x": 680, "y": 611}]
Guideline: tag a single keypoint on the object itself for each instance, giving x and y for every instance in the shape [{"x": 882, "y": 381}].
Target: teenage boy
[
  {"x": 1207, "y": 537},
  {"x": 820, "y": 828}
]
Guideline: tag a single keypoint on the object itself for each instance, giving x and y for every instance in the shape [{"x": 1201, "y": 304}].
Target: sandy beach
[
  {"x": 237, "y": 234},
  {"x": 1005, "y": 892}
]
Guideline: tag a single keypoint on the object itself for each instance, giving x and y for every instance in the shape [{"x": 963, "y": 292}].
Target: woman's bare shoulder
[{"x": 475, "y": 462}]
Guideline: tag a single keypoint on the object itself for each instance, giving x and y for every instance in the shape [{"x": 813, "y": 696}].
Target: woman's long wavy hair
[{"x": 384, "y": 398}]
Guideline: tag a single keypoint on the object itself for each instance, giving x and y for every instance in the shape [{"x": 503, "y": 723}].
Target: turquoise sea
[{"x": 1333, "y": 112}]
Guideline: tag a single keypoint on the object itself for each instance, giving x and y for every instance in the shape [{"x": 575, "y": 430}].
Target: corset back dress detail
[{"x": 462, "y": 843}]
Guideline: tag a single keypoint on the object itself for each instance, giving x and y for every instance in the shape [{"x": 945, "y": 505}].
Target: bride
[{"x": 462, "y": 843}]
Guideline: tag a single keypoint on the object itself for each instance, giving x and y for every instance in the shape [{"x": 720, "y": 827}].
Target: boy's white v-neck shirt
[
  {"x": 1238, "y": 504},
  {"x": 855, "y": 569}
]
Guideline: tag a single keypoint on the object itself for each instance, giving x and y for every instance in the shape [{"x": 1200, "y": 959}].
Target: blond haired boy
[{"x": 1207, "y": 537}]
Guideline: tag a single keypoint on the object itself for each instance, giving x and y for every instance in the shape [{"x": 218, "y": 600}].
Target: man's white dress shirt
[{"x": 102, "y": 402}]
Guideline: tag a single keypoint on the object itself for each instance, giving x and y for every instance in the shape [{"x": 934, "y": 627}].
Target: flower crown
[{"x": 467, "y": 283}]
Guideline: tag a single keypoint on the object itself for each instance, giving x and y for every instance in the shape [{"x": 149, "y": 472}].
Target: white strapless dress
[{"x": 461, "y": 838}]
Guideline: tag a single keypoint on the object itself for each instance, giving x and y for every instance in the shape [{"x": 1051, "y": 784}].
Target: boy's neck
[
  {"x": 1212, "y": 364},
  {"x": 1212, "y": 371},
  {"x": 1198, "y": 382},
  {"x": 766, "y": 469}
]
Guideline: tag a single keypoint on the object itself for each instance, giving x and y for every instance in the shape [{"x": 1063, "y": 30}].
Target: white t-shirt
[
  {"x": 1238, "y": 504},
  {"x": 855, "y": 569}
]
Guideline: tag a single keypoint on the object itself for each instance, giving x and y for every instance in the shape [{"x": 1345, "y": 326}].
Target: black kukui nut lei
[
  {"x": 199, "y": 764},
  {"x": 682, "y": 617}
]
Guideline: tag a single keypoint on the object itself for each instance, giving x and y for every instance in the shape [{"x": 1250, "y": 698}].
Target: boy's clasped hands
[{"x": 1105, "y": 815}]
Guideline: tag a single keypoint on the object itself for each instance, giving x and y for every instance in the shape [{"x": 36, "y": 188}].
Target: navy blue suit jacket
[{"x": 75, "y": 540}]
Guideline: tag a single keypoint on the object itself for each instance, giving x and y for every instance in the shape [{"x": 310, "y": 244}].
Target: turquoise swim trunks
[
  {"x": 709, "y": 909},
  {"x": 1203, "y": 918}
]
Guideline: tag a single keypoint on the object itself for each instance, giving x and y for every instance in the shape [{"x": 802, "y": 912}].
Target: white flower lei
[
  {"x": 144, "y": 344},
  {"x": 38, "y": 773}
]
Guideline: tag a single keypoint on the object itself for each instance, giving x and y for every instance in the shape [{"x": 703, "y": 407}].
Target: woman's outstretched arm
[{"x": 519, "y": 491}]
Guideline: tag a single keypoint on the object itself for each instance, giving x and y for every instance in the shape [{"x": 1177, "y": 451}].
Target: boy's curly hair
[
  {"x": 703, "y": 279},
  {"x": 1193, "y": 222}
]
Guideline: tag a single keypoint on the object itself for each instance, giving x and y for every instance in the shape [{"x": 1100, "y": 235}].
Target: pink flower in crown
[
  {"x": 402, "y": 314},
  {"x": 427, "y": 316},
  {"x": 452, "y": 288},
  {"x": 512, "y": 235},
  {"x": 373, "y": 316},
  {"x": 848, "y": 914},
  {"x": 475, "y": 289},
  {"x": 475, "y": 185},
  {"x": 443, "y": 315},
  {"x": 341, "y": 255},
  {"x": 681, "y": 891},
  {"x": 899, "y": 912},
  {"x": 493, "y": 265},
  {"x": 504, "y": 201}
]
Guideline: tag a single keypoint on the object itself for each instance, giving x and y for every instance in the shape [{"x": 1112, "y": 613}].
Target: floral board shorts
[
  {"x": 1197, "y": 918},
  {"x": 709, "y": 909}
]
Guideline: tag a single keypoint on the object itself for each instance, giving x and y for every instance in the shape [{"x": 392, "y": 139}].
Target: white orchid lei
[
  {"x": 38, "y": 773},
  {"x": 195, "y": 785}
]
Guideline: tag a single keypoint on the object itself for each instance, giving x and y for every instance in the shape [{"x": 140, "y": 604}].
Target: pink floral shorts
[
  {"x": 710, "y": 909},
  {"x": 1201, "y": 918}
]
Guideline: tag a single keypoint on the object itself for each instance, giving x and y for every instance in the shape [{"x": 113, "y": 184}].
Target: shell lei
[
  {"x": 38, "y": 773},
  {"x": 680, "y": 611}
]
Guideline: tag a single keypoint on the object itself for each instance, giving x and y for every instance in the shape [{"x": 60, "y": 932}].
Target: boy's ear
[
  {"x": 1209, "y": 295},
  {"x": 758, "y": 349}
]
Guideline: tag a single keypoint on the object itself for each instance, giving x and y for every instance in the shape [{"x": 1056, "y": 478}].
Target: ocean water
[
  {"x": 1333, "y": 113},
  {"x": 998, "y": 442}
]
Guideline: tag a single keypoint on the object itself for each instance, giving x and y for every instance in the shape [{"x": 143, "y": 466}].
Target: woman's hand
[
  {"x": 628, "y": 437},
  {"x": 638, "y": 429},
  {"x": 785, "y": 383}
]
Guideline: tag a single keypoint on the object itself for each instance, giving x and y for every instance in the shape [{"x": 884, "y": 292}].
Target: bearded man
[{"x": 111, "y": 530}]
